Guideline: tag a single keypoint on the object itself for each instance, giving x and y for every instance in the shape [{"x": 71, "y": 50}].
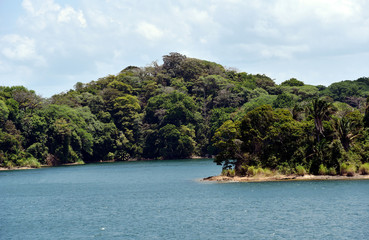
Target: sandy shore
[
  {"x": 284, "y": 178},
  {"x": 42, "y": 166},
  {"x": 15, "y": 168}
]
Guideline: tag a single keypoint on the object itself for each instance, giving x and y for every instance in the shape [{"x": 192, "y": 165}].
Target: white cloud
[
  {"x": 47, "y": 13},
  {"x": 18, "y": 48},
  {"x": 40, "y": 7},
  {"x": 68, "y": 14},
  {"x": 149, "y": 31}
]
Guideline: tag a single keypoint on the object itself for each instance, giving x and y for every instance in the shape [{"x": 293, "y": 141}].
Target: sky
[{"x": 49, "y": 45}]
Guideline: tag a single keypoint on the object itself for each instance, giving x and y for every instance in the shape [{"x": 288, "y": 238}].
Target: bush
[
  {"x": 322, "y": 170},
  {"x": 260, "y": 171},
  {"x": 268, "y": 172},
  {"x": 228, "y": 172},
  {"x": 285, "y": 169},
  {"x": 364, "y": 169},
  {"x": 300, "y": 170},
  {"x": 343, "y": 169},
  {"x": 351, "y": 169},
  {"x": 29, "y": 162},
  {"x": 251, "y": 171},
  {"x": 8, "y": 164},
  {"x": 332, "y": 171},
  {"x": 242, "y": 170}
]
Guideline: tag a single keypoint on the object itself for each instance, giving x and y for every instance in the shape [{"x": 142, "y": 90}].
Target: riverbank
[{"x": 284, "y": 178}]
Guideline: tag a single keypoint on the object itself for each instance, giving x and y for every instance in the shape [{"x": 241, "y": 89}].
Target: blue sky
[{"x": 49, "y": 45}]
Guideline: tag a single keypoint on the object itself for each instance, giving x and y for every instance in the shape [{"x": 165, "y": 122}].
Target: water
[{"x": 165, "y": 200}]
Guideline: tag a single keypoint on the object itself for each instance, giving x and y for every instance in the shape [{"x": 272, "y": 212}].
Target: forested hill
[{"x": 163, "y": 111}]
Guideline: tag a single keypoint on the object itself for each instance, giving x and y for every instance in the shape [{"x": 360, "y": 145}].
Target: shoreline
[
  {"x": 42, "y": 166},
  {"x": 108, "y": 161},
  {"x": 17, "y": 168},
  {"x": 281, "y": 178}
]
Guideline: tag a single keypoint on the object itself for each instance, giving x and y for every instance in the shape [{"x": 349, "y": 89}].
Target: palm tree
[
  {"x": 321, "y": 110},
  {"x": 347, "y": 130}
]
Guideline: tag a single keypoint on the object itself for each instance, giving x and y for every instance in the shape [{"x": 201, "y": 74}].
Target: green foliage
[
  {"x": 339, "y": 91},
  {"x": 364, "y": 169},
  {"x": 28, "y": 162},
  {"x": 323, "y": 170},
  {"x": 228, "y": 172},
  {"x": 259, "y": 101},
  {"x": 283, "y": 101},
  {"x": 292, "y": 82},
  {"x": 285, "y": 169},
  {"x": 332, "y": 171},
  {"x": 4, "y": 112},
  {"x": 351, "y": 169},
  {"x": 343, "y": 169},
  {"x": 251, "y": 171},
  {"x": 300, "y": 170},
  {"x": 225, "y": 139}
]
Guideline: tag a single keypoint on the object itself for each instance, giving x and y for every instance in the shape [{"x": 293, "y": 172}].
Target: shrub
[
  {"x": 322, "y": 170},
  {"x": 8, "y": 164},
  {"x": 343, "y": 169},
  {"x": 300, "y": 170},
  {"x": 351, "y": 169},
  {"x": 242, "y": 170},
  {"x": 110, "y": 156},
  {"x": 228, "y": 172},
  {"x": 251, "y": 171},
  {"x": 364, "y": 169},
  {"x": 29, "y": 162},
  {"x": 284, "y": 169},
  {"x": 332, "y": 171},
  {"x": 268, "y": 172},
  {"x": 259, "y": 171}
]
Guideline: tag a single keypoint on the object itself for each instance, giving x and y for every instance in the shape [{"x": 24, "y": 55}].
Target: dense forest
[{"x": 189, "y": 107}]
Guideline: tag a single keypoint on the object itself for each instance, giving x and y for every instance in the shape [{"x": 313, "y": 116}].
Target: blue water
[{"x": 165, "y": 200}]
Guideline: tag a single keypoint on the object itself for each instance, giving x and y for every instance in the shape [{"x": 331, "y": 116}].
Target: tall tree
[{"x": 320, "y": 109}]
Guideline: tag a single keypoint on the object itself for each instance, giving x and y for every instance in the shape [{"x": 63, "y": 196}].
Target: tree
[
  {"x": 4, "y": 112},
  {"x": 172, "y": 63},
  {"x": 292, "y": 82},
  {"x": 175, "y": 142},
  {"x": 226, "y": 139},
  {"x": 320, "y": 109},
  {"x": 348, "y": 128},
  {"x": 283, "y": 100}
]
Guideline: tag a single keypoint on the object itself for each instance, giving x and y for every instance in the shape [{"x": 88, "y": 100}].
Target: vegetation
[{"x": 189, "y": 107}]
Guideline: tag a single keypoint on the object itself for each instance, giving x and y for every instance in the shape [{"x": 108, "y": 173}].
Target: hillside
[{"x": 180, "y": 109}]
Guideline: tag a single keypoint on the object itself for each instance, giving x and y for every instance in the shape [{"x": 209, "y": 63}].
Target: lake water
[{"x": 165, "y": 200}]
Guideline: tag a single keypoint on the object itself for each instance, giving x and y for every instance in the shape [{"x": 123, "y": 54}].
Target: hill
[{"x": 181, "y": 109}]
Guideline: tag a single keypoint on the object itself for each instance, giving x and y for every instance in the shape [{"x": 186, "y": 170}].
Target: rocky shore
[{"x": 284, "y": 178}]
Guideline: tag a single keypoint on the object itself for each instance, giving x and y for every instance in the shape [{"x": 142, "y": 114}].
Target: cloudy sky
[{"x": 49, "y": 45}]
